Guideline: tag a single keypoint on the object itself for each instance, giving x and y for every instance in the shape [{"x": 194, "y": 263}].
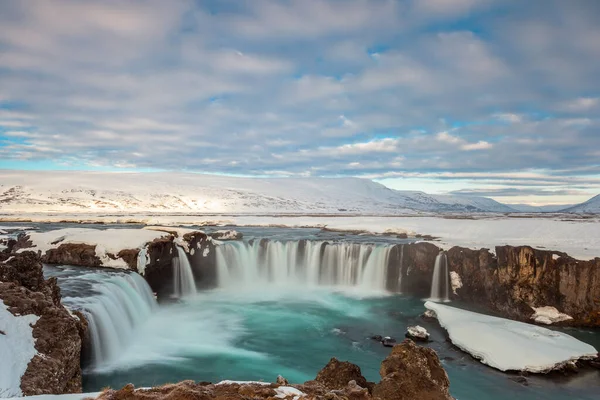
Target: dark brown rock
[
  {"x": 79, "y": 254},
  {"x": 336, "y": 375},
  {"x": 58, "y": 334},
  {"x": 523, "y": 277},
  {"x": 412, "y": 372},
  {"x": 130, "y": 256}
]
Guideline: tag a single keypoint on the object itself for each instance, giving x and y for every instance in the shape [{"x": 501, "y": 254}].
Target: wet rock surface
[
  {"x": 412, "y": 372},
  {"x": 58, "y": 334},
  {"x": 409, "y": 372},
  {"x": 520, "y": 278}
]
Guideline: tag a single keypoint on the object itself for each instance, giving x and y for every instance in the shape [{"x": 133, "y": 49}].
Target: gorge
[{"x": 258, "y": 295}]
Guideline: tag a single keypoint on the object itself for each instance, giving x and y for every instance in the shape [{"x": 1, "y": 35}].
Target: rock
[
  {"x": 281, "y": 380},
  {"x": 402, "y": 236},
  {"x": 388, "y": 341},
  {"x": 412, "y": 372},
  {"x": 377, "y": 338},
  {"x": 417, "y": 333},
  {"x": 73, "y": 254},
  {"x": 520, "y": 379},
  {"x": 58, "y": 334},
  {"x": 429, "y": 314},
  {"x": 227, "y": 235},
  {"x": 336, "y": 375}
]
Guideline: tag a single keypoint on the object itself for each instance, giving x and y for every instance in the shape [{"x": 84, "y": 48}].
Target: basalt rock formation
[
  {"x": 58, "y": 334},
  {"x": 509, "y": 283},
  {"x": 412, "y": 372},
  {"x": 519, "y": 278},
  {"x": 158, "y": 268},
  {"x": 409, "y": 372}
]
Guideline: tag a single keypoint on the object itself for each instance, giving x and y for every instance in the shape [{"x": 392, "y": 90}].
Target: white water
[
  {"x": 440, "y": 283},
  {"x": 400, "y": 269},
  {"x": 183, "y": 278},
  {"x": 309, "y": 263},
  {"x": 121, "y": 303}
]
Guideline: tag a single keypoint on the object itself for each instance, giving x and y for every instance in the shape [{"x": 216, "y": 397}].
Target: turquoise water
[{"x": 294, "y": 331}]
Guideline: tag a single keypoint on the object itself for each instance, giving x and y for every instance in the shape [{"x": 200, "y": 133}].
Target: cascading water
[
  {"x": 309, "y": 262},
  {"x": 183, "y": 278},
  {"x": 400, "y": 268},
  {"x": 114, "y": 304},
  {"x": 440, "y": 283}
]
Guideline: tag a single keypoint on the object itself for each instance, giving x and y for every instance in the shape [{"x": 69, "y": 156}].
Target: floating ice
[{"x": 509, "y": 345}]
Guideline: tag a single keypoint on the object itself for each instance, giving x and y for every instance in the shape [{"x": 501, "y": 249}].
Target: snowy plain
[
  {"x": 509, "y": 345},
  {"x": 579, "y": 238}
]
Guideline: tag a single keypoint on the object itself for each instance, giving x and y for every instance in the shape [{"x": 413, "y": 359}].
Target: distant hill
[
  {"x": 82, "y": 192},
  {"x": 539, "y": 209},
  {"x": 592, "y": 206}
]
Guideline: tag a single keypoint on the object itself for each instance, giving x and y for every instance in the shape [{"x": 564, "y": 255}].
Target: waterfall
[
  {"x": 302, "y": 262},
  {"x": 440, "y": 283},
  {"x": 118, "y": 304},
  {"x": 183, "y": 277},
  {"x": 400, "y": 268}
]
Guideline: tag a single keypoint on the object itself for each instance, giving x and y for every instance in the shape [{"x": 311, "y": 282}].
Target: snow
[
  {"x": 107, "y": 241},
  {"x": 226, "y": 235},
  {"x": 282, "y": 391},
  {"x": 143, "y": 260},
  {"x": 455, "y": 281},
  {"x": 418, "y": 332},
  {"x": 549, "y": 315},
  {"x": 578, "y": 237},
  {"x": 7, "y": 229},
  {"x": 73, "y": 396},
  {"x": 175, "y": 230},
  {"x": 592, "y": 206},
  {"x": 509, "y": 345},
  {"x": 84, "y": 192},
  {"x": 17, "y": 348}
]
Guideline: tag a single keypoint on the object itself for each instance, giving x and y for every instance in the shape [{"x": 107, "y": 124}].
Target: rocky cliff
[
  {"x": 510, "y": 282},
  {"x": 520, "y": 278},
  {"x": 58, "y": 334}
]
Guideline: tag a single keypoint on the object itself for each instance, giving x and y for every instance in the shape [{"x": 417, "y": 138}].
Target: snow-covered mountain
[
  {"x": 52, "y": 191},
  {"x": 539, "y": 209},
  {"x": 592, "y": 206}
]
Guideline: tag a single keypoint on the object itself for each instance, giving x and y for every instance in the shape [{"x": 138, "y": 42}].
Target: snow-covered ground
[
  {"x": 580, "y": 238},
  {"x": 509, "y": 345},
  {"x": 109, "y": 241},
  {"x": 17, "y": 348},
  {"x": 81, "y": 192}
]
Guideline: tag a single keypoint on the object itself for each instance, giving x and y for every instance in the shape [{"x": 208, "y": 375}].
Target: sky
[{"x": 493, "y": 98}]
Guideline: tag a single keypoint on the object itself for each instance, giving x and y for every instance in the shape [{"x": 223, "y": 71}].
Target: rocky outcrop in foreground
[
  {"x": 57, "y": 333},
  {"x": 409, "y": 372}
]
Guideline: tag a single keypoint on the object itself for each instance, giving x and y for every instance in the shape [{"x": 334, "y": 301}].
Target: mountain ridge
[{"x": 83, "y": 191}]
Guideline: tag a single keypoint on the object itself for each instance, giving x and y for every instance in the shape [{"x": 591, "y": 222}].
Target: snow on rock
[
  {"x": 176, "y": 231},
  {"x": 282, "y": 391},
  {"x": 17, "y": 348},
  {"x": 143, "y": 260},
  {"x": 73, "y": 396},
  {"x": 455, "y": 281},
  {"x": 226, "y": 235},
  {"x": 107, "y": 241},
  {"x": 509, "y": 345},
  {"x": 549, "y": 315},
  {"x": 417, "y": 333}
]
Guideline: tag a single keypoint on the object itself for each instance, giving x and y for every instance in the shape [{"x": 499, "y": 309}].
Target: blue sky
[{"x": 499, "y": 98}]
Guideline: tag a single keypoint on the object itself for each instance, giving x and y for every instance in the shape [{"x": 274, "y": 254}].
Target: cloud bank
[{"x": 459, "y": 94}]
